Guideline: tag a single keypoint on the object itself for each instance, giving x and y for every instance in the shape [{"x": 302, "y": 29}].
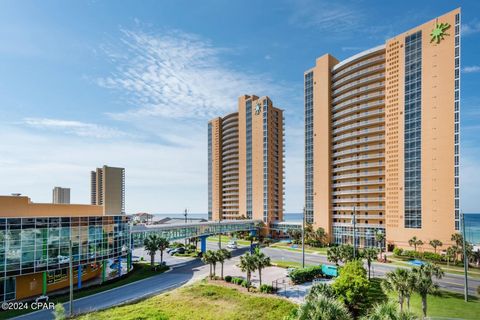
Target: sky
[{"x": 133, "y": 84}]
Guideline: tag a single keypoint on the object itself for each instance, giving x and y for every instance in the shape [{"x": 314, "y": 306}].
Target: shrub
[
  {"x": 352, "y": 286},
  {"x": 245, "y": 283},
  {"x": 306, "y": 274},
  {"x": 237, "y": 280},
  {"x": 228, "y": 278},
  {"x": 478, "y": 289},
  {"x": 265, "y": 288},
  {"x": 59, "y": 312},
  {"x": 398, "y": 251},
  {"x": 432, "y": 256}
]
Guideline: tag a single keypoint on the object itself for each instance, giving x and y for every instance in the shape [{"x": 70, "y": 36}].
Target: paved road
[
  {"x": 179, "y": 275},
  {"x": 449, "y": 282}
]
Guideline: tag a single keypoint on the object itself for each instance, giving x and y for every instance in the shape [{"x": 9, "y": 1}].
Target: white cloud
[
  {"x": 330, "y": 16},
  {"x": 470, "y": 28},
  {"x": 173, "y": 74},
  {"x": 78, "y": 128},
  {"x": 471, "y": 69}
]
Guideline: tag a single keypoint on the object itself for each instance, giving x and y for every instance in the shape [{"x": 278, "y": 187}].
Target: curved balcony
[
  {"x": 358, "y": 141},
  {"x": 359, "y": 225},
  {"x": 229, "y": 124},
  {"x": 357, "y": 133},
  {"x": 360, "y": 166},
  {"x": 230, "y": 151},
  {"x": 359, "y": 216},
  {"x": 230, "y": 134},
  {"x": 359, "y": 208},
  {"x": 377, "y": 112},
  {"x": 232, "y": 168},
  {"x": 230, "y": 193},
  {"x": 359, "y": 124},
  {"x": 229, "y": 155},
  {"x": 366, "y": 80},
  {"x": 363, "y": 98},
  {"x": 359, "y": 175},
  {"x": 230, "y": 183},
  {"x": 361, "y": 64},
  {"x": 362, "y": 107},
  {"x": 227, "y": 147},
  {"x": 230, "y": 161},
  {"x": 353, "y": 200},
  {"x": 380, "y": 155},
  {"x": 356, "y": 75},
  {"x": 357, "y": 150},
  {"x": 368, "y": 88},
  {"x": 358, "y": 183},
  {"x": 355, "y": 191}
]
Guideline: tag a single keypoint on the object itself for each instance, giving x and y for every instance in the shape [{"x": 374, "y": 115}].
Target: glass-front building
[{"x": 35, "y": 249}]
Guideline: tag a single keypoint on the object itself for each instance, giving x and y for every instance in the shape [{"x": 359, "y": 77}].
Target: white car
[{"x": 232, "y": 245}]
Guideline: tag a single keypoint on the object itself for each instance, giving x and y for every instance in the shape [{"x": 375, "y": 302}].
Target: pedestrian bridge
[{"x": 202, "y": 230}]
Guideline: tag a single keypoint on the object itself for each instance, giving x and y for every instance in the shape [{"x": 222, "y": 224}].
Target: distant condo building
[
  {"x": 108, "y": 189},
  {"x": 245, "y": 162},
  {"x": 61, "y": 195},
  {"x": 382, "y": 138}
]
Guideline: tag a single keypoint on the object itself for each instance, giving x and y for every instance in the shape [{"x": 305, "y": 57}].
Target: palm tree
[
  {"x": 209, "y": 258},
  {"x": 451, "y": 253},
  {"x": 333, "y": 255},
  {"x": 162, "y": 246},
  {"x": 397, "y": 281},
  {"x": 380, "y": 237},
  {"x": 414, "y": 242},
  {"x": 436, "y": 243},
  {"x": 222, "y": 255},
  {"x": 248, "y": 264},
  {"x": 261, "y": 261},
  {"x": 389, "y": 310},
  {"x": 369, "y": 254},
  {"x": 424, "y": 284},
  {"x": 151, "y": 246},
  {"x": 324, "y": 308}
]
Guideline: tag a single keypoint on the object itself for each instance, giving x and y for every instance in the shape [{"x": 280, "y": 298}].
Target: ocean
[{"x": 472, "y": 222}]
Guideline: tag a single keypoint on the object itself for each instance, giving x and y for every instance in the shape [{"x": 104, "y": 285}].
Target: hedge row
[{"x": 306, "y": 274}]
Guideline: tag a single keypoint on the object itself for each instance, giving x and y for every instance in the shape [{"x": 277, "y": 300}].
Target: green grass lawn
[
  {"x": 140, "y": 271},
  {"x": 448, "y": 305},
  {"x": 286, "y": 246},
  {"x": 403, "y": 261},
  {"x": 227, "y": 239},
  {"x": 288, "y": 264},
  {"x": 200, "y": 301}
]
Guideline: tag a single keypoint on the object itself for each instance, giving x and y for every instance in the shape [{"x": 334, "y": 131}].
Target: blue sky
[{"x": 132, "y": 84}]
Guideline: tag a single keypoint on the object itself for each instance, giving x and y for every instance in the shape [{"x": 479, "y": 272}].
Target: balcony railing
[
  {"x": 359, "y": 175},
  {"x": 356, "y": 191},
  {"x": 358, "y": 183},
  {"x": 365, "y": 97},
  {"x": 362, "y": 115},
  {"x": 375, "y": 59},
  {"x": 360, "y": 166},
  {"x": 359, "y": 133},
  {"x": 361, "y": 107},
  {"x": 370, "y": 87},
  {"x": 352, "y": 200},
  {"x": 357, "y": 158},
  {"x": 353, "y": 76},
  {"x": 358, "y": 141},
  {"x": 357, "y": 150},
  {"x": 358, "y": 82}
]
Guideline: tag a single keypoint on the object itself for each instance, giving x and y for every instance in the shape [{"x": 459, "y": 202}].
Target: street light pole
[
  {"x": 186, "y": 214},
  {"x": 303, "y": 239},
  {"x": 70, "y": 267},
  {"x": 354, "y": 220},
  {"x": 465, "y": 258}
]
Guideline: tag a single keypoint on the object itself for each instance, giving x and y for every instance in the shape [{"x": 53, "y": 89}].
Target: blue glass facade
[
  {"x": 30, "y": 245},
  {"x": 309, "y": 147},
  {"x": 248, "y": 118},
  {"x": 413, "y": 130}
]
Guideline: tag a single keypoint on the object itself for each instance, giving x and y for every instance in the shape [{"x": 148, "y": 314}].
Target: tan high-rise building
[
  {"x": 108, "y": 189},
  {"x": 382, "y": 138},
  {"x": 61, "y": 195},
  {"x": 245, "y": 162}
]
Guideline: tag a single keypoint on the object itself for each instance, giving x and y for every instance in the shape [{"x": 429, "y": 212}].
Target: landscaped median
[{"x": 207, "y": 301}]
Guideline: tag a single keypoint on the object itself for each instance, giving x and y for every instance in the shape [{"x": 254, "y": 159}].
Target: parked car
[
  {"x": 41, "y": 298},
  {"x": 180, "y": 250},
  {"x": 170, "y": 249},
  {"x": 232, "y": 245},
  {"x": 135, "y": 258}
]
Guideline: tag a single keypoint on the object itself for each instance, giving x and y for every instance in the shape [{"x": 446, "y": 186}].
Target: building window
[
  {"x": 309, "y": 147},
  {"x": 413, "y": 129}
]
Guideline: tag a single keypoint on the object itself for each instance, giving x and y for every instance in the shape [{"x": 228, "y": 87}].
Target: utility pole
[
  {"x": 465, "y": 258},
  {"x": 354, "y": 220},
  {"x": 70, "y": 267},
  {"x": 186, "y": 214},
  {"x": 303, "y": 239}
]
